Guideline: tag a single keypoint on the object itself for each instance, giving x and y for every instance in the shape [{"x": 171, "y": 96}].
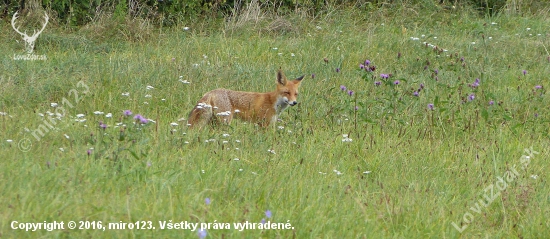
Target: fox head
[{"x": 287, "y": 90}]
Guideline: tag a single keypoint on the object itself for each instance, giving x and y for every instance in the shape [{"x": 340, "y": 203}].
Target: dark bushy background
[{"x": 169, "y": 12}]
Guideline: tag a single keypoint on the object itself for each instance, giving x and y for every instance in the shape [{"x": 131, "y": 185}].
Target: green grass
[{"x": 428, "y": 168}]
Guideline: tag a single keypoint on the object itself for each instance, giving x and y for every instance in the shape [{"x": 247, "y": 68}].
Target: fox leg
[
  {"x": 221, "y": 108},
  {"x": 223, "y": 115}
]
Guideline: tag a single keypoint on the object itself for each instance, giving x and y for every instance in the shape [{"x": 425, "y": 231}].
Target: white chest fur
[{"x": 282, "y": 104}]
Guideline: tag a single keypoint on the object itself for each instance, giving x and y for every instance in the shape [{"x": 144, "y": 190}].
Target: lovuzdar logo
[{"x": 29, "y": 40}]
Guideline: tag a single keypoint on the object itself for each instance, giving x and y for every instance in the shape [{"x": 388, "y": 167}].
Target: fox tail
[{"x": 201, "y": 114}]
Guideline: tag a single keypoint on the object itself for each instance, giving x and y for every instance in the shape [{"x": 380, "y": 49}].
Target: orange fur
[{"x": 262, "y": 108}]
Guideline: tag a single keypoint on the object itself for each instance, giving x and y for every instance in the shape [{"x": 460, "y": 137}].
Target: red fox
[{"x": 262, "y": 108}]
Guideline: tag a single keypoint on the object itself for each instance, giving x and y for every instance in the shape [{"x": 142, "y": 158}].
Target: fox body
[{"x": 223, "y": 105}]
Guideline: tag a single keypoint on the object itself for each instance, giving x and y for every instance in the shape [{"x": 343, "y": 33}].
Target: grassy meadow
[{"x": 410, "y": 145}]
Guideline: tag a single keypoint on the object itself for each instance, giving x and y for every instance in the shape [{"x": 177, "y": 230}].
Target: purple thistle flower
[
  {"x": 384, "y": 76},
  {"x": 149, "y": 164},
  {"x": 268, "y": 214},
  {"x": 431, "y": 106},
  {"x": 127, "y": 113},
  {"x": 361, "y": 66},
  {"x": 421, "y": 86},
  {"x": 356, "y": 108},
  {"x": 312, "y": 76},
  {"x": 201, "y": 233},
  {"x": 367, "y": 62},
  {"x": 337, "y": 70},
  {"x": 89, "y": 152},
  {"x": 207, "y": 201},
  {"x": 141, "y": 119},
  {"x": 538, "y": 87},
  {"x": 262, "y": 221},
  {"x": 343, "y": 87},
  {"x": 396, "y": 82},
  {"x": 377, "y": 83},
  {"x": 462, "y": 59},
  {"x": 436, "y": 71},
  {"x": 524, "y": 72},
  {"x": 471, "y": 97},
  {"x": 350, "y": 92},
  {"x": 415, "y": 93},
  {"x": 491, "y": 102},
  {"x": 102, "y": 125},
  {"x": 536, "y": 115}
]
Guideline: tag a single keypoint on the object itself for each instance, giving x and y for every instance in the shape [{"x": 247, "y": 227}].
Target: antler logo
[{"x": 29, "y": 40}]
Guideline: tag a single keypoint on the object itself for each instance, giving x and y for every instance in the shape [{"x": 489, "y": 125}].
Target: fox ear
[
  {"x": 281, "y": 78},
  {"x": 298, "y": 80}
]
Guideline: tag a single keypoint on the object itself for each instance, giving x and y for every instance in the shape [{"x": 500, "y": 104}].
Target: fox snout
[{"x": 292, "y": 103}]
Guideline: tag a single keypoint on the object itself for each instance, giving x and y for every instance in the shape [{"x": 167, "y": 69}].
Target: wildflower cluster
[{"x": 129, "y": 132}]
